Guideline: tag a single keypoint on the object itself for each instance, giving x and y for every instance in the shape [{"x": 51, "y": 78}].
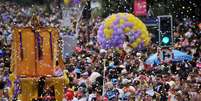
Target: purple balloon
[
  {"x": 118, "y": 35},
  {"x": 141, "y": 45},
  {"x": 134, "y": 36},
  {"x": 100, "y": 31},
  {"x": 123, "y": 26},
  {"x": 137, "y": 33},
  {"x": 115, "y": 28},
  {"x": 128, "y": 24},
  {"x": 125, "y": 18},
  {"x": 116, "y": 21},
  {"x": 119, "y": 30},
  {"x": 101, "y": 27}
]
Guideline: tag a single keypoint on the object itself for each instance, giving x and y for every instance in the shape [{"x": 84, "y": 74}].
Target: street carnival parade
[{"x": 100, "y": 50}]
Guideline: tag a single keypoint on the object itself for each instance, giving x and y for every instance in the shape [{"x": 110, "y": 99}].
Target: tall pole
[{"x": 104, "y": 77}]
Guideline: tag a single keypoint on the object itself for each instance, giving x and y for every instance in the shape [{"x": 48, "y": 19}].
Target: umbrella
[
  {"x": 153, "y": 59},
  {"x": 181, "y": 56},
  {"x": 178, "y": 56}
]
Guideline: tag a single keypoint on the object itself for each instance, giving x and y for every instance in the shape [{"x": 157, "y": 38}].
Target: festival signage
[{"x": 140, "y": 7}]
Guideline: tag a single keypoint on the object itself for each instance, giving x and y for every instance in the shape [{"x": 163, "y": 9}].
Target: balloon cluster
[{"x": 118, "y": 27}]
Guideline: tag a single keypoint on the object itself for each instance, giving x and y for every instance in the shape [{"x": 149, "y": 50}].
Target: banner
[
  {"x": 140, "y": 7},
  {"x": 69, "y": 44}
]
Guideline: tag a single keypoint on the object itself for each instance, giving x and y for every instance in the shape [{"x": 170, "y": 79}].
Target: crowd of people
[{"x": 97, "y": 74}]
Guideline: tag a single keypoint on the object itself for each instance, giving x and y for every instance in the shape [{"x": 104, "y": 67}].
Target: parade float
[{"x": 36, "y": 66}]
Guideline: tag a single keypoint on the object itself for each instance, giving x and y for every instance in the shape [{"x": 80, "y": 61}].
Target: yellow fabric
[
  {"x": 66, "y": 78},
  {"x": 30, "y": 64},
  {"x": 58, "y": 84},
  {"x": 12, "y": 78},
  {"x": 29, "y": 88},
  {"x": 24, "y": 65},
  {"x": 45, "y": 64}
]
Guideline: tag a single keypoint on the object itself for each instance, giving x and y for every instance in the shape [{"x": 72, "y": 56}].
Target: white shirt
[
  {"x": 83, "y": 99},
  {"x": 74, "y": 99}
]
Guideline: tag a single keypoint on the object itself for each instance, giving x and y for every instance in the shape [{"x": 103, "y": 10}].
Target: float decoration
[
  {"x": 36, "y": 64},
  {"x": 121, "y": 28}
]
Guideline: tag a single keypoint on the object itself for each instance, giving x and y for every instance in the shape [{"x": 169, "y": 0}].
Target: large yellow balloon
[
  {"x": 121, "y": 21},
  {"x": 147, "y": 41},
  {"x": 127, "y": 29},
  {"x": 134, "y": 45},
  {"x": 138, "y": 41},
  {"x": 108, "y": 33},
  {"x": 113, "y": 23}
]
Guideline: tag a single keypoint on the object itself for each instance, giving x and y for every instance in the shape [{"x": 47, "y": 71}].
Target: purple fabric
[
  {"x": 76, "y": 1},
  {"x": 58, "y": 72},
  {"x": 16, "y": 88},
  {"x": 51, "y": 49},
  {"x": 134, "y": 36},
  {"x": 39, "y": 41},
  {"x": 141, "y": 45},
  {"x": 21, "y": 48},
  {"x": 8, "y": 80}
]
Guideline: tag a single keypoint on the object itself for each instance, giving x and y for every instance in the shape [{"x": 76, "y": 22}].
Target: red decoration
[{"x": 69, "y": 95}]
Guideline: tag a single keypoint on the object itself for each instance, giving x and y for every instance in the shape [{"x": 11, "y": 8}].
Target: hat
[
  {"x": 121, "y": 66},
  {"x": 138, "y": 54},
  {"x": 125, "y": 81},
  {"x": 114, "y": 81},
  {"x": 171, "y": 83},
  {"x": 111, "y": 65},
  {"x": 103, "y": 51},
  {"x": 85, "y": 74},
  {"x": 88, "y": 60},
  {"x": 124, "y": 71}
]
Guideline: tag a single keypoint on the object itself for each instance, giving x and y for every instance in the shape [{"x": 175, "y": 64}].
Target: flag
[{"x": 140, "y": 7}]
